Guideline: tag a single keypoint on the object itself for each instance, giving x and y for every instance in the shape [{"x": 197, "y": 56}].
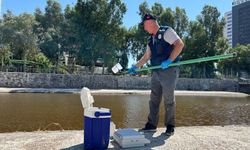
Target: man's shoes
[
  {"x": 148, "y": 128},
  {"x": 169, "y": 131}
]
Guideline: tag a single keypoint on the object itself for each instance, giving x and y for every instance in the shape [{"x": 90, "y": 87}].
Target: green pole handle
[{"x": 191, "y": 61}]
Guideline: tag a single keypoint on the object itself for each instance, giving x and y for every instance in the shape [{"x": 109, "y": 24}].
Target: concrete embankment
[{"x": 196, "y": 137}]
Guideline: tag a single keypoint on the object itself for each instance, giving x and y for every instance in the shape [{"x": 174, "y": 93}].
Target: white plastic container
[
  {"x": 128, "y": 138},
  {"x": 117, "y": 68}
]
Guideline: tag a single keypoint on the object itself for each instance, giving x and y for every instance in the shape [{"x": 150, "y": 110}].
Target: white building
[{"x": 227, "y": 31}]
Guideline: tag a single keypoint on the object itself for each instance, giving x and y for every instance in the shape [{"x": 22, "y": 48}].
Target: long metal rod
[{"x": 191, "y": 61}]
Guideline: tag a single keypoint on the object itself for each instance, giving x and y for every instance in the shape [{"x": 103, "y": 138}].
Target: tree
[
  {"x": 167, "y": 18},
  {"x": 49, "y": 30},
  {"x": 18, "y": 34},
  {"x": 204, "y": 39},
  {"x": 221, "y": 45},
  {"x": 157, "y": 9},
  {"x": 97, "y": 24},
  {"x": 69, "y": 33},
  {"x": 194, "y": 48},
  {"x": 238, "y": 64},
  {"x": 5, "y": 55},
  {"x": 212, "y": 25},
  {"x": 180, "y": 21},
  {"x": 5, "y": 52},
  {"x": 125, "y": 44},
  {"x": 143, "y": 9}
]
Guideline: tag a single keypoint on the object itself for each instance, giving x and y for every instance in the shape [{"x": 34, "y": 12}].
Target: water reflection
[{"x": 32, "y": 112}]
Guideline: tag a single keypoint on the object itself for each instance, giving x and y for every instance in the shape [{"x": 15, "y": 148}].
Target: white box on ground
[{"x": 128, "y": 138}]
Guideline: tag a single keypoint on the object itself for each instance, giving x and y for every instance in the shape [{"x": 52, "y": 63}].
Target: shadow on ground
[{"x": 155, "y": 141}]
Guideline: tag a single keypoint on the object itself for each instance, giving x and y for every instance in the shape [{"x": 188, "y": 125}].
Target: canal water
[{"x": 34, "y": 112}]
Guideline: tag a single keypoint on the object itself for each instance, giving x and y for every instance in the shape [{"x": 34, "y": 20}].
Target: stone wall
[
  {"x": 34, "y": 80},
  {"x": 207, "y": 84},
  {"x": 244, "y": 87}
]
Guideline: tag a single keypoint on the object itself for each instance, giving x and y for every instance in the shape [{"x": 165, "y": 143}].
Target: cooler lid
[
  {"x": 86, "y": 98},
  {"x": 95, "y": 112}
]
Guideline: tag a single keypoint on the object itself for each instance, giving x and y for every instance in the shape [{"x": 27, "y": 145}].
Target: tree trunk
[
  {"x": 2, "y": 64},
  {"x": 103, "y": 69},
  {"x": 92, "y": 67},
  {"x": 204, "y": 71}
]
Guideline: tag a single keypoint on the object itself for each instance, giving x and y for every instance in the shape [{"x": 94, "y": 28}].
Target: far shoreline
[{"x": 120, "y": 92}]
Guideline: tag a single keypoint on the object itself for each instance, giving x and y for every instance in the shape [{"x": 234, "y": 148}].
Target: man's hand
[
  {"x": 132, "y": 69},
  {"x": 166, "y": 63}
]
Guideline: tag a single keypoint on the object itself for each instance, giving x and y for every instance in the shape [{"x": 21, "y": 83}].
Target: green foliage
[
  {"x": 137, "y": 41},
  {"x": 69, "y": 41},
  {"x": 98, "y": 23},
  {"x": 62, "y": 69},
  {"x": 49, "y": 28},
  {"x": 92, "y": 30},
  {"x": 157, "y": 9},
  {"x": 180, "y": 22},
  {"x": 167, "y": 18},
  {"x": 240, "y": 63},
  {"x": 205, "y": 39},
  {"x": 221, "y": 45},
  {"x": 18, "y": 34},
  {"x": 42, "y": 59},
  {"x": 143, "y": 8},
  {"x": 5, "y": 54},
  {"x": 123, "y": 43}
]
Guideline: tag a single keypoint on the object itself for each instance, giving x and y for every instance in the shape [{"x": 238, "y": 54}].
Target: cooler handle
[{"x": 98, "y": 114}]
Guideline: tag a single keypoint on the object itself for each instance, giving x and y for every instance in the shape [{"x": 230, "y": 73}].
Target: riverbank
[
  {"x": 121, "y": 92},
  {"x": 195, "y": 137}
]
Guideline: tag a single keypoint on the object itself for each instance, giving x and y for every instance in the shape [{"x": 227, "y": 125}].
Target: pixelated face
[{"x": 149, "y": 26}]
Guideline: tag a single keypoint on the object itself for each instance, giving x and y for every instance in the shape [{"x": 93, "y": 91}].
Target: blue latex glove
[
  {"x": 132, "y": 69},
  {"x": 166, "y": 63}
]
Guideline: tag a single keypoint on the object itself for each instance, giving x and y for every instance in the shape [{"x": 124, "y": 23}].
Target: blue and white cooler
[{"x": 96, "y": 123}]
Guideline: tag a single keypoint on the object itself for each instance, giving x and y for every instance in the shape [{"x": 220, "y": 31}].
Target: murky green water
[{"x": 32, "y": 112}]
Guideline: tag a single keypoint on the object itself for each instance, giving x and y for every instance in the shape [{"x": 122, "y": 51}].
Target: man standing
[{"x": 163, "y": 48}]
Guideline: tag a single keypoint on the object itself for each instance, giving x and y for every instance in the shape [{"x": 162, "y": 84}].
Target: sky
[
  {"x": 0, "y": 6},
  {"x": 131, "y": 18}
]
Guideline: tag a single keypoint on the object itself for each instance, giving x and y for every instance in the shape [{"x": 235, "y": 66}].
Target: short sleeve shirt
[{"x": 170, "y": 36}]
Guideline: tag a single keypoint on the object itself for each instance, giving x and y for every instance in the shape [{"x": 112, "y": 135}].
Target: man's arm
[
  {"x": 178, "y": 46},
  {"x": 171, "y": 37},
  {"x": 145, "y": 58}
]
